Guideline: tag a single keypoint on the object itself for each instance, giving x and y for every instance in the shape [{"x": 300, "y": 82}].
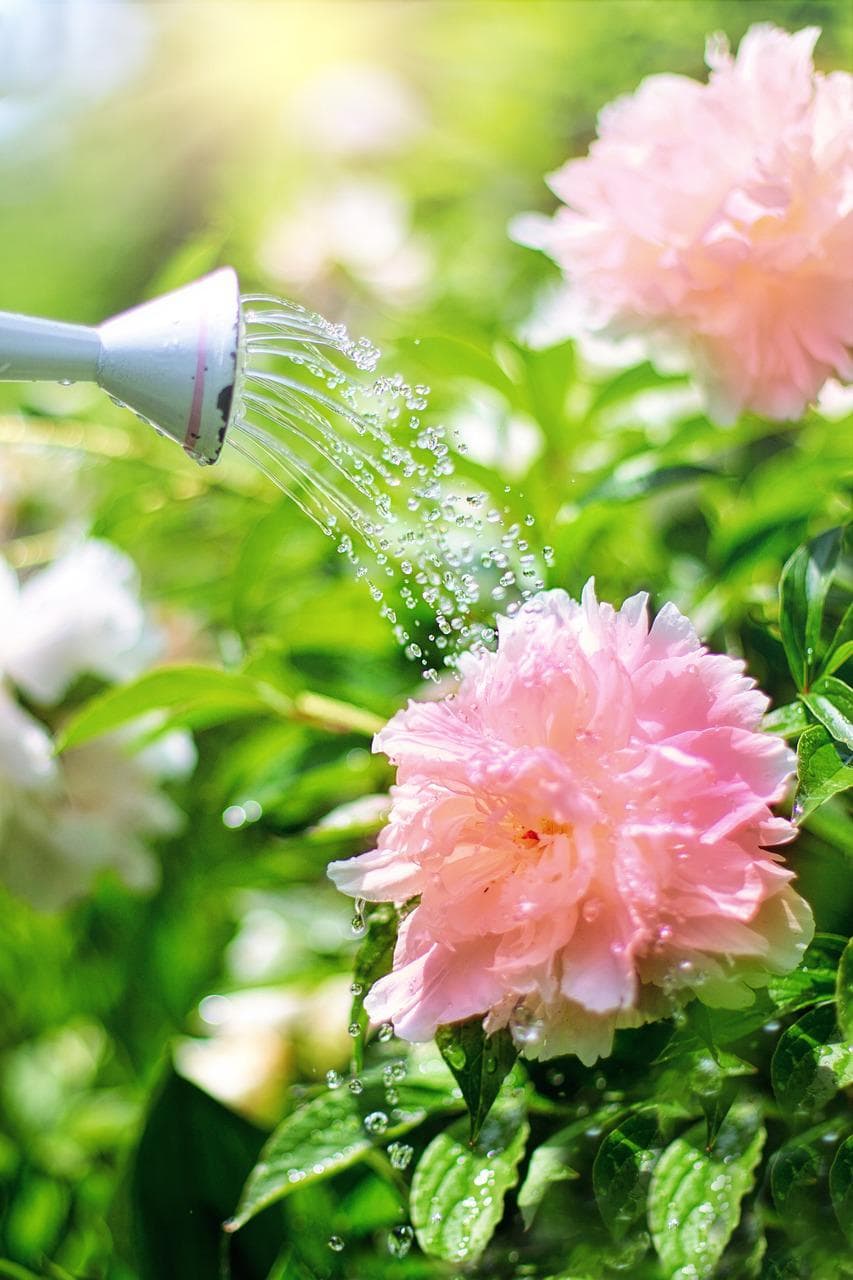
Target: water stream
[{"x": 355, "y": 453}]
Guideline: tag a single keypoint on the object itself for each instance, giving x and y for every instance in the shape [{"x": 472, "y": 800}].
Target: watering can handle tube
[
  {"x": 35, "y": 350},
  {"x": 173, "y": 360}
]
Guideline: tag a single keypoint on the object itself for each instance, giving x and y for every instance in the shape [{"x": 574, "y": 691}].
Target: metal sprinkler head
[{"x": 173, "y": 361}]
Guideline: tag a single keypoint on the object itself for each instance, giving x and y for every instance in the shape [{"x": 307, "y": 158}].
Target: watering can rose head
[
  {"x": 718, "y": 217},
  {"x": 587, "y": 825}
]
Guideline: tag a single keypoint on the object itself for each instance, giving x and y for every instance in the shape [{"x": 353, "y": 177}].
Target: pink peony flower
[
  {"x": 587, "y": 825},
  {"x": 720, "y": 215}
]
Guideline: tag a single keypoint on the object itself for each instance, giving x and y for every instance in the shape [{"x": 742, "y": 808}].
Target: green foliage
[
  {"x": 237, "y": 957},
  {"x": 332, "y": 1132},
  {"x": 695, "y": 1195},
  {"x": 459, "y": 1186},
  {"x": 480, "y": 1064},
  {"x": 803, "y": 590},
  {"x": 811, "y": 1062}
]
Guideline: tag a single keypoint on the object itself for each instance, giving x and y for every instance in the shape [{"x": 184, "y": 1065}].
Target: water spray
[
  {"x": 173, "y": 361},
  {"x": 299, "y": 399}
]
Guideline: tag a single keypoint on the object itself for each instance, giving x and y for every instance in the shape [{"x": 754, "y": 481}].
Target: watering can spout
[{"x": 173, "y": 360}]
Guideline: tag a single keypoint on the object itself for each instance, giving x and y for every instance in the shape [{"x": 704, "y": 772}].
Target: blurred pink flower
[
  {"x": 587, "y": 824},
  {"x": 720, "y": 216}
]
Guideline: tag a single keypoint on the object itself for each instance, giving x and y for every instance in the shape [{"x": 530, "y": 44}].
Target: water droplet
[
  {"x": 336, "y": 1244},
  {"x": 400, "y": 1154},
  {"x": 400, "y": 1241},
  {"x": 385, "y": 1032},
  {"x": 376, "y": 1122},
  {"x": 526, "y": 1028}
]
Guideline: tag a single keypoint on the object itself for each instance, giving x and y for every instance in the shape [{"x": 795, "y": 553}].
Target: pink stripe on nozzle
[{"x": 194, "y": 420}]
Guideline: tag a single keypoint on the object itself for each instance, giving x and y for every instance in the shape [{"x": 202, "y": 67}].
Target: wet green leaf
[
  {"x": 328, "y": 1134},
  {"x": 458, "y": 1188},
  {"x": 844, "y": 993},
  {"x": 841, "y": 1186},
  {"x": 811, "y": 1062},
  {"x": 831, "y": 702},
  {"x": 814, "y": 978},
  {"x": 373, "y": 960},
  {"x": 695, "y": 1196},
  {"x": 479, "y": 1062},
  {"x": 550, "y": 1163},
  {"x": 798, "y": 1177},
  {"x": 787, "y": 721},
  {"x": 824, "y": 768},
  {"x": 623, "y": 1168}
]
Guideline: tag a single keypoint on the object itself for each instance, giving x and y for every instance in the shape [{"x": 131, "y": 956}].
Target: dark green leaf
[
  {"x": 798, "y": 1175},
  {"x": 623, "y": 1168},
  {"x": 695, "y": 1196},
  {"x": 550, "y": 1163},
  {"x": 195, "y": 1153},
  {"x": 640, "y": 476},
  {"x": 372, "y": 961},
  {"x": 479, "y": 1062},
  {"x": 823, "y": 770},
  {"x": 805, "y": 583},
  {"x": 811, "y": 1063},
  {"x": 813, "y": 980},
  {"x": 844, "y": 993},
  {"x": 328, "y": 1134},
  {"x": 831, "y": 701},
  {"x": 840, "y": 649},
  {"x": 788, "y": 721},
  {"x": 458, "y": 1189},
  {"x": 214, "y": 693},
  {"x": 841, "y": 1186}
]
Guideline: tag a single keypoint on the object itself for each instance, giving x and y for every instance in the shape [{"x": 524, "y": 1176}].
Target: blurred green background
[{"x": 364, "y": 158}]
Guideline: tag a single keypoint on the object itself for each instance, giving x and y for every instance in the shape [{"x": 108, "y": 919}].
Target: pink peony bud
[
  {"x": 718, "y": 217},
  {"x": 587, "y": 824}
]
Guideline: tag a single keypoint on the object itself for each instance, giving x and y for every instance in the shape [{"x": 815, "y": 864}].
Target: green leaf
[
  {"x": 458, "y": 1189},
  {"x": 811, "y": 1063},
  {"x": 805, "y": 583},
  {"x": 640, "y": 476},
  {"x": 844, "y": 993},
  {"x": 479, "y": 1062},
  {"x": 623, "y": 1168},
  {"x": 550, "y": 1163},
  {"x": 194, "y": 1153},
  {"x": 841, "y": 1186},
  {"x": 695, "y": 1196},
  {"x": 840, "y": 648},
  {"x": 372, "y": 961},
  {"x": 787, "y": 721},
  {"x": 215, "y": 693},
  {"x": 831, "y": 701},
  {"x": 549, "y": 373},
  {"x": 823, "y": 770},
  {"x": 798, "y": 1175},
  {"x": 629, "y": 382},
  {"x": 328, "y": 1134},
  {"x": 456, "y": 358},
  {"x": 813, "y": 980}
]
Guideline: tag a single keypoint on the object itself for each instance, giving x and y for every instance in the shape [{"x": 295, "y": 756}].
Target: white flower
[{"x": 81, "y": 615}]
